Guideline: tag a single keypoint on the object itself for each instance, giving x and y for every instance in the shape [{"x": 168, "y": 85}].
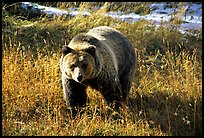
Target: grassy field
[{"x": 165, "y": 97}]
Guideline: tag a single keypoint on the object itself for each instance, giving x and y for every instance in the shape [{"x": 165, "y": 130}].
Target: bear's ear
[
  {"x": 66, "y": 50},
  {"x": 91, "y": 50}
]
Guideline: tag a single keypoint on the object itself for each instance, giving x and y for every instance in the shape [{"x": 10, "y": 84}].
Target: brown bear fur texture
[{"x": 103, "y": 59}]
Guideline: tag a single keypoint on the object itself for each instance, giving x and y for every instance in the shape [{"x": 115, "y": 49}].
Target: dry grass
[{"x": 165, "y": 98}]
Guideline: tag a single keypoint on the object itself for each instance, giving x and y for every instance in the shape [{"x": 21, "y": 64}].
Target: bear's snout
[
  {"x": 80, "y": 77},
  {"x": 78, "y": 74}
]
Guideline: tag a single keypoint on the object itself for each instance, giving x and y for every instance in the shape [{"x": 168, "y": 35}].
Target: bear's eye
[
  {"x": 84, "y": 66},
  {"x": 72, "y": 66}
]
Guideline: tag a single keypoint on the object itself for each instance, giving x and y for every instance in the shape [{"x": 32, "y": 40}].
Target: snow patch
[{"x": 160, "y": 12}]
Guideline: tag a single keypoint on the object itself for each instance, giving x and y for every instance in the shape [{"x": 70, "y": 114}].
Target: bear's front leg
[{"x": 74, "y": 94}]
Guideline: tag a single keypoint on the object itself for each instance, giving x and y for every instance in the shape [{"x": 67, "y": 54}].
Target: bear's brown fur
[{"x": 104, "y": 59}]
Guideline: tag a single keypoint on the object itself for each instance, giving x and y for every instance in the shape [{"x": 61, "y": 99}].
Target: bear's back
[
  {"x": 115, "y": 42},
  {"x": 112, "y": 38},
  {"x": 105, "y": 33}
]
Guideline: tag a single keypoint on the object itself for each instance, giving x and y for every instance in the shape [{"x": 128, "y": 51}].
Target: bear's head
[{"x": 78, "y": 64}]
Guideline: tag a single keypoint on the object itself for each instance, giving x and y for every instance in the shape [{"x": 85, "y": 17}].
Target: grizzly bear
[{"x": 103, "y": 59}]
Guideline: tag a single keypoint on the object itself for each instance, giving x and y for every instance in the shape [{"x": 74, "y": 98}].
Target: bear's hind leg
[
  {"x": 114, "y": 99},
  {"x": 125, "y": 85},
  {"x": 112, "y": 95}
]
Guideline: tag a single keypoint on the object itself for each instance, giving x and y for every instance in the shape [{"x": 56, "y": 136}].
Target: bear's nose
[{"x": 79, "y": 78}]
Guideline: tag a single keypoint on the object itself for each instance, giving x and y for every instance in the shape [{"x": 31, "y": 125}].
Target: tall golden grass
[{"x": 165, "y": 97}]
